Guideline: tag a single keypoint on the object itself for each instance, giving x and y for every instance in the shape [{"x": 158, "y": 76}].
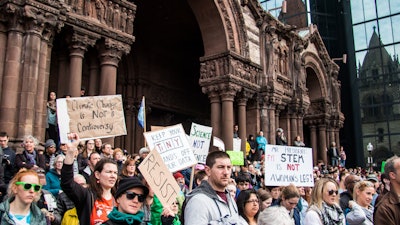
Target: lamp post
[{"x": 370, "y": 148}]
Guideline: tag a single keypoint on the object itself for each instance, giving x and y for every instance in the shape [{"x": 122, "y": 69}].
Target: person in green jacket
[{"x": 20, "y": 207}]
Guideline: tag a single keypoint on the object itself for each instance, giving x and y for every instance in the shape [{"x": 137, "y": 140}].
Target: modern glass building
[
  {"x": 377, "y": 45},
  {"x": 366, "y": 31}
]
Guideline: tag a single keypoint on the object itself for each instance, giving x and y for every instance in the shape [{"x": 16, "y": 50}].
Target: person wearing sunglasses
[
  {"x": 324, "y": 208},
  {"x": 20, "y": 207},
  {"x": 361, "y": 209},
  {"x": 94, "y": 203},
  {"x": 130, "y": 196}
]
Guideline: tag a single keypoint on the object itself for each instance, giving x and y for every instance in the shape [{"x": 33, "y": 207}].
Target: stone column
[
  {"x": 293, "y": 129},
  {"x": 314, "y": 145},
  {"x": 78, "y": 47},
  {"x": 110, "y": 54},
  {"x": 273, "y": 132},
  {"x": 30, "y": 76},
  {"x": 242, "y": 122},
  {"x": 265, "y": 120},
  {"x": 63, "y": 75},
  {"x": 43, "y": 84},
  {"x": 227, "y": 97},
  {"x": 215, "y": 102},
  {"x": 272, "y": 125},
  {"x": 300, "y": 127},
  {"x": 336, "y": 135},
  {"x": 94, "y": 74},
  {"x": 11, "y": 80},
  {"x": 322, "y": 143},
  {"x": 3, "y": 51}
]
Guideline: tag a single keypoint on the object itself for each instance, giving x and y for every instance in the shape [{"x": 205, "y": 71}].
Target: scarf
[
  {"x": 31, "y": 157},
  {"x": 118, "y": 216},
  {"x": 331, "y": 215}
]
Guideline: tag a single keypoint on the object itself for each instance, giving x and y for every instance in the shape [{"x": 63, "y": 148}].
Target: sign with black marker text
[
  {"x": 286, "y": 165},
  {"x": 173, "y": 146},
  {"x": 91, "y": 117}
]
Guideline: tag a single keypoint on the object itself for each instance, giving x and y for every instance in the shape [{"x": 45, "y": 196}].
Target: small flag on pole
[{"x": 141, "y": 114}]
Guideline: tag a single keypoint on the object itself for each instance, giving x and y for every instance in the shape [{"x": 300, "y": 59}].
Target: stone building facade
[{"x": 218, "y": 63}]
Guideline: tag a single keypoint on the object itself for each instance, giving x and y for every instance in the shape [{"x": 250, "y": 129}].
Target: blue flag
[{"x": 141, "y": 114}]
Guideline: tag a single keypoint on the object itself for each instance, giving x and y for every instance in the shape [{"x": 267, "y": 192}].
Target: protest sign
[
  {"x": 217, "y": 142},
  {"x": 173, "y": 146},
  {"x": 237, "y": 157},
  {"x": 383, "y": 166},
  {"x": 237, "y": 144},
  {"x": 159, "y": 178},
  {"x": 91, "y": 117},
  {"x": 286, "y": 165},
  {"x": 200, "y": 137}
]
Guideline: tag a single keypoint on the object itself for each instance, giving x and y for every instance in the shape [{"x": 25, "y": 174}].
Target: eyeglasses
[
  {"x": 28, "y": 186},
  {"x": 175, "y": 203},
  {"x": 330, "y": 192},
  {"x": 132, "y": 195},
  {"x": 253, "y": 201}
]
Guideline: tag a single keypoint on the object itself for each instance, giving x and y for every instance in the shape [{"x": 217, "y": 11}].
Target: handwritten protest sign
[
  {"x": 237, "y": 157},
  {"x": 173, "y": 146},
  {"x": 200, "y": 137},
  {"x": 286, "y": 165},
  {"x": 91, "y": 117},
  {"x": 159, "y": 178}
]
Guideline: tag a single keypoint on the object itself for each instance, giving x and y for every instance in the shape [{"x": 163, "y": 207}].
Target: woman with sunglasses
[
  {"x": 23, "y": 193},
  {"x": 361, "y": 209},
  {"x": 130, "y": 196},
  {"x": 94, "y": 203},
  {"x": 324, "y": 209},
  {"x": 248, "y": 204}
]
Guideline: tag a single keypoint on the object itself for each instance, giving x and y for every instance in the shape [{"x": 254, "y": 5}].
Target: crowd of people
[{"x": 93, "y": 183}]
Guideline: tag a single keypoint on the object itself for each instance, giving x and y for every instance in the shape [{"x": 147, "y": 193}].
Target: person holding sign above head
[
  {"x": 94, "y": 203},
  {"x": 211, "y": 203}
]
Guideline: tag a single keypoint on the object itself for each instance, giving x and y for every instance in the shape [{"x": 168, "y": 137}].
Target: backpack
[{"x": 70, "y": 217}]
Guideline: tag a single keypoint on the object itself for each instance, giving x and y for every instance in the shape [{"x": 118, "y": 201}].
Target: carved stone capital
[
  {"x": 228, "y": 91},
  {"x": 78, "y": 44},
  {"x": 111, "y": 51}
]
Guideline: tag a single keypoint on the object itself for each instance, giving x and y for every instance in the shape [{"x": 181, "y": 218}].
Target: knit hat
[
  {"x": 128, "y": 183},
  {"x": 144, "y": 150},
  {"x": 178, "y": 175},
  {"x": 49, "y": 143},
  {"x": 279, "y": 130}
]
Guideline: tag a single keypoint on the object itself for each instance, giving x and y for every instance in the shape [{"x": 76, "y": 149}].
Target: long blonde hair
[{"x": 318, "y": 191}]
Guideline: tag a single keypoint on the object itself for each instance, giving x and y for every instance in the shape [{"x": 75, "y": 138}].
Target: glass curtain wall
[{"x": 377, "y": 44}]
